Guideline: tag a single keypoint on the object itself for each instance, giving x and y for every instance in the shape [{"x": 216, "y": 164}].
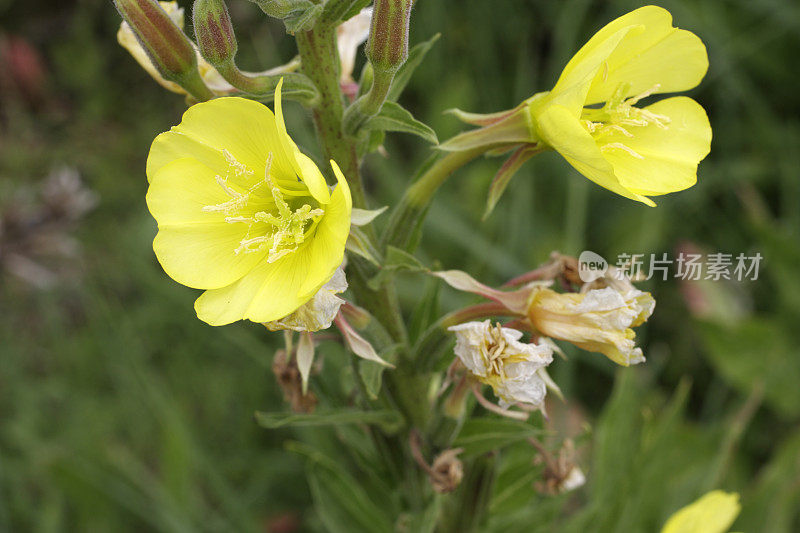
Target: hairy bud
[
  {"x": 387, "y": 48},
  {"x": 214, "y": 31},
  {"x": 169, "y": 49}
]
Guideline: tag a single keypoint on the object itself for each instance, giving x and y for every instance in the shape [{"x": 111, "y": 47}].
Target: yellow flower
[
  {"x": 713, "y": 513},
  {"x": 599, "y": 320},
  {"x": 592, "y": 115},
  {"x": 242, "y": 213}
]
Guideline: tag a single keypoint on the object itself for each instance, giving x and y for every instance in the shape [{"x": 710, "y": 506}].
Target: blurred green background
[{"x": 120, "y": 411}]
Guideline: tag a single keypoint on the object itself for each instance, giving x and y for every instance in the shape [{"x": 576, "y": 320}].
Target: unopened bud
[
  {"x": 214, "y": 31},
  {"x": 168, "y": 48},
  {"x": 281, "y": 9},
  {"x": 387, "y": 48}
]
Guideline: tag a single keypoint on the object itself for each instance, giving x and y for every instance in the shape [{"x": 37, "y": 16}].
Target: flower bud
[
  {"x": 214, "y": 31},
  {"x": 282, "y": 8},
  {"x": 387, "y": 48},
  {"x": 169, "y": 49}
]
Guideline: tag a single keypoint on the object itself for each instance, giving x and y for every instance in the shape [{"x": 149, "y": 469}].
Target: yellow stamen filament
[
  {"x": 619, "y": 113},
  {"x": 620, "y": 146},
  {"x": 287, "y": 229}
]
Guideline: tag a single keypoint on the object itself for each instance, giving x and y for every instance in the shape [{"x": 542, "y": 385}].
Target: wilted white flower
[
  {"x": 599, "y": 320},
  {"x": 318, "y": 313},
  {"x": 494, "y": 355}
]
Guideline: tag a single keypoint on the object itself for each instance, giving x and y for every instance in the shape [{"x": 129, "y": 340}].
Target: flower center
[
  {"x": 618, "y": 115},
  {"x": 272, "y": 223}
]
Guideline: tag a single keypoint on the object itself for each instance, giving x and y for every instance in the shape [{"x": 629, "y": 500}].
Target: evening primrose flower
[
  {"x": 243, "y": 214},
  {"x": 494, "y": 355},
  {"x": 715, "y": 512},
  {"x": 599, "y": 320},
  {"x": 593, "y": 116}
]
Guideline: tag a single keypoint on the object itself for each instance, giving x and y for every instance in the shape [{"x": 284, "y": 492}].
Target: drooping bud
[
  {"x": 282, "y": 8},
  {"x": 387, "y": 47},
  {"x": 168, "y": 48},
  {"x": 214, "y": 31}
]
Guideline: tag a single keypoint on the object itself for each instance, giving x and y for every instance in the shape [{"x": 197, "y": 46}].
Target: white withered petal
[{"x": 494, "y": 355}]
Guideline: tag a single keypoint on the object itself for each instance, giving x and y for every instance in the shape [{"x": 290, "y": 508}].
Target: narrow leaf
[
  {"x": 359, "y": 244},
  {"x": 480, "y": 435},
  {"x": 329, "y": 418},
  {"x": 504, "y": 175},
  {"x": 362, "y": 217},
  {"x": 393, "y": 117}
]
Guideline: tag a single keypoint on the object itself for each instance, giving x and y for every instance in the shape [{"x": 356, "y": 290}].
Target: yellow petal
[
  {"x": 273, "y": 290},
  {"x": 674, "y": 59},
  {"x": 202, "y": 256},
  {"x": 670, "y": 156},
  {"x": 713, "y": 513},
  {"x": 333, "y": 230},
  {"x": 561, "y": 130},
  {"x": 172, "y": 145},
  {"x": 180, "y": 190},
  {"x": 305, "y": 168},
  {"x": 244, "y": 128},
  {"x": 576, "y": 79},
  {"x": 196, "y": 248}
]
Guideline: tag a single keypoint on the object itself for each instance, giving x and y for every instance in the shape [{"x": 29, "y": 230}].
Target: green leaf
[
  {"x": 359, "y": 244},
  {"x": 369, "y": 142},
  {"x": 393, "y": 117},
  {"x": 425, "y": 521},
  {"x": 396, "y": 260},
  {"x": 372, "y": 372},
  {"x": 337, "y": 11},
  {"x": 404, "y": 73},
  {"x": 372, "y": 376},
  {"x": 342, "y": 504},
  {"x": 504, "y": 175},
  {"x": 426, "y": 311},
  {"x": 296, "y": 86},
  {"x": 303, "y": 20},
  {"x": 757, "y": 352},
  {"x": 481, "y": 435},
  {"x": 330, "y": 418},
  {"x": 772, "y": 503}
]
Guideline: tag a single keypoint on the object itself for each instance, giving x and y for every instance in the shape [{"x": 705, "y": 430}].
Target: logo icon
[{"x": 591, "y": 266}]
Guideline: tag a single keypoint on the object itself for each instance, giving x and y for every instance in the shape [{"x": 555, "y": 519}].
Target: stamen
[
  {"x": 620, "y": 146},
  {"x": 633, "y": 100},
  {"x": 608, "y": 128},
  {"x": 286, "y": 229}
]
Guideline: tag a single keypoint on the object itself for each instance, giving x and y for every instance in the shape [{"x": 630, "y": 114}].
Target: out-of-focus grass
[{"x": 120, "y": 411}]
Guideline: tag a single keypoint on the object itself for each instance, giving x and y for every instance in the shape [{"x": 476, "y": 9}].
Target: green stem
[
  {"x": 410, "y": 211},
  {"x": 320, "y": 62},
  {"x": 368, "y": 105}
]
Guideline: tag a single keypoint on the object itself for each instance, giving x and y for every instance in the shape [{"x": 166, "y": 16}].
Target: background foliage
[{"x": 120, "y": 411}]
